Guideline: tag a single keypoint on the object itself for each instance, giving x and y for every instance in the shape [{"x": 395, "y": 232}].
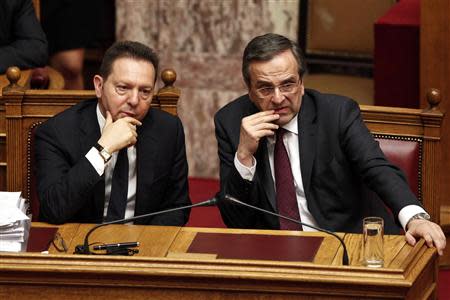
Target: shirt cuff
[
  {"x": 407, "y": 212},
  {"x": 93, "y": 156},
  {"x": 246, "y": 173}
]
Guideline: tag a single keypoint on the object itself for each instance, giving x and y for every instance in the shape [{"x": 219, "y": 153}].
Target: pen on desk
[{"x": 117, "y": 245}]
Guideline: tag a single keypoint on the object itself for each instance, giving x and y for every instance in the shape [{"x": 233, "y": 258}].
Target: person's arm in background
[{"x": 22, "y": 41}]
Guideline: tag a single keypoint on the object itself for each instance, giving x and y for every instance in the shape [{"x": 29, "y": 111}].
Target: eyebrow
[
  {"x": 128, "y": 84},
  {"x": 260, "y": 83}
]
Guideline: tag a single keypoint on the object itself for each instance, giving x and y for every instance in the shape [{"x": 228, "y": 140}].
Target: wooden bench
[{"x": 21, "y": 109}]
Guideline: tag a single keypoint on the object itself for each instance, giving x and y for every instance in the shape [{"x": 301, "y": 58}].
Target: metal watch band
[{"x": 421, "y": 216}]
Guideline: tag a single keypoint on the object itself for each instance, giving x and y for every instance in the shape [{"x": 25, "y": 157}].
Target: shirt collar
[
  {"x": 100, "y": 118},
  {"x": 291, "y": 127}
]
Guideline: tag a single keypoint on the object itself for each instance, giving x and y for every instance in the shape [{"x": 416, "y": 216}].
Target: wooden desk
[{"x": 163, "y": 270}]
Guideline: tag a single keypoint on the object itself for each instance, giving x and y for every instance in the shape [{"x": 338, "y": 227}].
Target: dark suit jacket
[
  {"x": 338, "y": 155},
  {"x": 22, "y": 41},
  {"x": 69, "y": 188}
]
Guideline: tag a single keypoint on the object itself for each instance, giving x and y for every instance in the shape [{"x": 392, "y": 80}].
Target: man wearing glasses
[
  {"x": 305, "y": 155},
  {"x": 114, "y": 156}
]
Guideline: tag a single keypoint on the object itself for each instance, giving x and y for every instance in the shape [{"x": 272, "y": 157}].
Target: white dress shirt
[
  {"x": 99, "y": 165},
  {"x": 290, "y": 140}
]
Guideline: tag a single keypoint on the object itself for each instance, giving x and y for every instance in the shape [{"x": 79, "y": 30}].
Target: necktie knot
[{"x": 279, "y": 134}]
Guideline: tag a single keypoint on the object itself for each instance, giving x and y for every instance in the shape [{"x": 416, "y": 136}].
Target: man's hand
[
  {"x": 253, "y": 128},
  {"x": 431, "y": 232},
  {"x": 119, "y": 134}
]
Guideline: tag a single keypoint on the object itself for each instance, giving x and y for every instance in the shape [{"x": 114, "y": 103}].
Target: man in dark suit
[
  {"x": 114, "y": 157},
  {"x": 304, "y": 154},
  {"x": 22, "y": 41}
]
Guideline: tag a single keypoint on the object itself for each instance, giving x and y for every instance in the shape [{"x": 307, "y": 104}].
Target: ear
[
  {"x": 302, "y": 88},
  {"x": 98, "y": 85}
]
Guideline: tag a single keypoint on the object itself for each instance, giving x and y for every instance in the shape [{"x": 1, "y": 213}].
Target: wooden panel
[
  {"x": 435, "y": 71},
  {"x": 3, "y": 177},
  {"x": 408, "y": 276}
]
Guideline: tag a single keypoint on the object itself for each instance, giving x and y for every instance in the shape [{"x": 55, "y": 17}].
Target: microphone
[
  {"x": 117, "y": 245},
  {"x": 345, "y": 254},
  {"x": 84, "y": 248}
]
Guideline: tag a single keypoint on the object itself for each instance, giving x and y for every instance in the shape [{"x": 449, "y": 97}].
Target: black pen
[{"x": 117, "y": 245}]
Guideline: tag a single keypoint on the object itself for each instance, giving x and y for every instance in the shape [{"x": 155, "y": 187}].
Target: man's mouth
[
  {"x": 128, "y": 114},
  {"x": 281, "y": 110}
]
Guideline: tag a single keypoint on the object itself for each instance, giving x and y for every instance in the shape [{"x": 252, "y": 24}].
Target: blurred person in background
[
  {"x": 70, "y": 26},
  {"x": 22, "y": 41}
]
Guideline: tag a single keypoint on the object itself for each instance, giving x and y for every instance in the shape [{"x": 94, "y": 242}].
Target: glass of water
[{"x": 373, "y": 232}]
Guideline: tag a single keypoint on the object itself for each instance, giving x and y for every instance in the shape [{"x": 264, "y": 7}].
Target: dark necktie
[
  {"x": 284, "y": 182},
  {"x": 119, "y": 188}
]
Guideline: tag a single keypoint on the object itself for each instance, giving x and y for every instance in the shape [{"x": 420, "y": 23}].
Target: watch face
[{"x": 106, "y": 156}]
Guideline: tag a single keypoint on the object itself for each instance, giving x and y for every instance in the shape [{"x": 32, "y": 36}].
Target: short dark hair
[
  {"x": 128, "y": 49},
  {"x": 265, "y": 47}
]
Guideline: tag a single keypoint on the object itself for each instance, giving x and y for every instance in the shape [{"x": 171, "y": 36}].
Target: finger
[
  {"x": 262, "y": 133},
  {"x": 260, "y": 114},
  {"x": 109, "y": 119},
  {"x": 262, "y": 126},
  {"x": 410, "y": 239},
  {"x": 135, "y": 122},
  {"x": 428, "y": 239},
  {"x": 264, "y": 119},
  {"x": 440, "y": 246},
  {"x": 441, "y": 233},
  {"x": 132, "y": 121},
  {"x": 438, "y": 237}
]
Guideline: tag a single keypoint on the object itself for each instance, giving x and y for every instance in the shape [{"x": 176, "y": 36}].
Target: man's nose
[
  {"x": 133, "y": 98},
  {"x": 277, "y": 96}
]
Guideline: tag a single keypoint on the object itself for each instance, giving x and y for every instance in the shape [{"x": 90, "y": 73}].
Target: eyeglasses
[
  {"x": 287, "y": 88},
  {"x": 144, "y": 94},
  {"x": 59, "y": 243}
]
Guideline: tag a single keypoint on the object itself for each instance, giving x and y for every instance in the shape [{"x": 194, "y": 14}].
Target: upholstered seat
[{"x": 405, "y": 153}]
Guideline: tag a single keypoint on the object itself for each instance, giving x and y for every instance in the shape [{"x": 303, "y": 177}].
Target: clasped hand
[
  {"x": 253, "y": 128},
  {"x": 118, "y": 134}
]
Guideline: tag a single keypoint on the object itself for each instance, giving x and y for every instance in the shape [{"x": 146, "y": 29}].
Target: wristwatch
[
  {"x": 420, "y": 216},
  {"x": 103, "y": 152}
]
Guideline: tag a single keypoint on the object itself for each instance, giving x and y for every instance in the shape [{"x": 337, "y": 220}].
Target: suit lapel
[
  {"x": 307, "y": 128},
  {"x": 89, "y": 135},
  {"x": 145, "y": 161}
]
